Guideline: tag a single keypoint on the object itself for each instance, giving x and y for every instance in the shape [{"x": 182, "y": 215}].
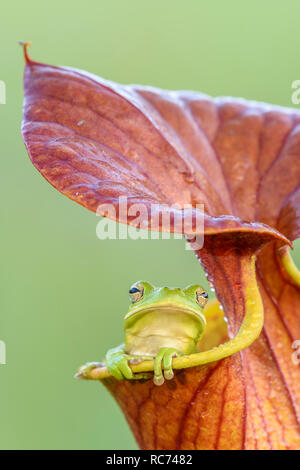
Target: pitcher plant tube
[{"x": 95, "y": 141}]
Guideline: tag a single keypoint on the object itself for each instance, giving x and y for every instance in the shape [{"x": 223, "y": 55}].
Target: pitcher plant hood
[{"x": 95, "y": 140}]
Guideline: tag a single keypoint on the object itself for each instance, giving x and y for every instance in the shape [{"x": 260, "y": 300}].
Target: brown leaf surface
[{"x": 95, "y": 140}]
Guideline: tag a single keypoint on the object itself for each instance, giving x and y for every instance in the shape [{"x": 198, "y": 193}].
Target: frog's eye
[
  {"x": 201, "y": 297},
  {"x": 136, "y": 293}
]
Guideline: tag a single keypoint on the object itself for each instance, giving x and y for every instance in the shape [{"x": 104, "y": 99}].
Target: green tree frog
[{"x": 161, "y": 323}]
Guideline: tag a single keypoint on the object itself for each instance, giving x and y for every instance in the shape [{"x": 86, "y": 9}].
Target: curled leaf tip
[{"x": 25, "y": 45}]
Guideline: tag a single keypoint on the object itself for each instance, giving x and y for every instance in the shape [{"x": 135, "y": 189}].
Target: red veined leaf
[{"x": 95, "y": 141}]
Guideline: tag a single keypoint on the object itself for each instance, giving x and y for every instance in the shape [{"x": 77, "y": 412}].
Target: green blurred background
[{"x": 63, "y": 291}]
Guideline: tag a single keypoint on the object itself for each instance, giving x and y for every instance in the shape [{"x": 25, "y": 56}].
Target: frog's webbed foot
[
  {"x": 84, "y": 370},
  {"x": 165, "y": 356}
]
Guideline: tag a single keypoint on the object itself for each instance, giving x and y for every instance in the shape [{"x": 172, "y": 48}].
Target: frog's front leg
[
  {"x": 117, "y": 364},
  {"x": 165, "y": 356}
]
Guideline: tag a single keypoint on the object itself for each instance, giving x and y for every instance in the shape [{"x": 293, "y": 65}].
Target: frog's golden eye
[
  {"x": 136, "y": 293},
  {"x": 201, "y": 297}
]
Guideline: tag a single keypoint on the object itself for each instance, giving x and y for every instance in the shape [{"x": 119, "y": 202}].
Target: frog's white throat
[{"x": 170, "y": 327}]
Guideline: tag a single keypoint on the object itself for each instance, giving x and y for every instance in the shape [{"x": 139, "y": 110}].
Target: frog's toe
[
  {"x": 158, "y": 378},
  {"x": 165, "y": 355},
  {"x": 169, "y": 374},
  {"x": 120, "y": 369},
  {"x": 116, "y": 373},
  {"x": 125, "y": 369}
]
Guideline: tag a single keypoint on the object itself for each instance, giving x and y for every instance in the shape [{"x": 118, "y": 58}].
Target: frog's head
[{"x": 146, "y": 298}]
